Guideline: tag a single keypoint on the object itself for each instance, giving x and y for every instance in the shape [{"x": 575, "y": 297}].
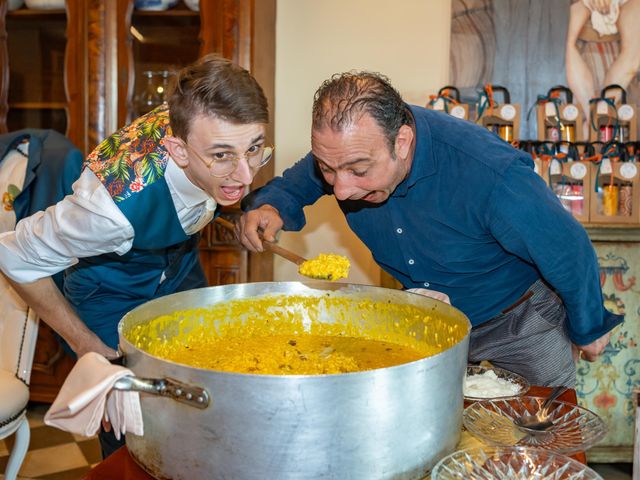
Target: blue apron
[{"x": 102, "y": 289}]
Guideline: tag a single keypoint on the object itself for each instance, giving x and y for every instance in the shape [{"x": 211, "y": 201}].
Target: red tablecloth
[{"x": 120, "y": 465}]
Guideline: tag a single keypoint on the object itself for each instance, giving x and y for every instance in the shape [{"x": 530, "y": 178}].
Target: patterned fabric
[
  {"x": 530, "y": 340},
  {"x": 11, "y": 190},
  {"x": 606, "y": 386},
  {"x": 134, "y": 157},
  {"x": 12, "y": 172},
  {"x": 9, "y": 196}
]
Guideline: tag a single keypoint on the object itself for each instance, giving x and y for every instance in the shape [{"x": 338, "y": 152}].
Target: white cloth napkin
[{"x": 87, "y": 396}]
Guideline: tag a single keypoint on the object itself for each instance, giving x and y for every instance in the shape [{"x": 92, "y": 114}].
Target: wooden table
[{"x": 121, "y": 466}]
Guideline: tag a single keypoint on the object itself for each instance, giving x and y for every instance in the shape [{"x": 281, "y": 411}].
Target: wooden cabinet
[
  {"x": 53, "y": 71},
  {"x": 81, "y": 70}
]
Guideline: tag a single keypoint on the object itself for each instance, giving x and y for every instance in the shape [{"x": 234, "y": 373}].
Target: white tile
[{"x": 52, "y": 459}]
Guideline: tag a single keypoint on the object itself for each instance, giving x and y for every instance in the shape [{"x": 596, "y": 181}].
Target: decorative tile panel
[{"x": 606, "y": 385}]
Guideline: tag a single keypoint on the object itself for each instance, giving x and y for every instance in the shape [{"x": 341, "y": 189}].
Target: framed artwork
[{"x": 530, "y": 46}]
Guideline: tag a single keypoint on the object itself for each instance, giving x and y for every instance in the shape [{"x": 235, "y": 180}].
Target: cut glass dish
[
  {"x": 574, "y": 428},
  {"x": 510, "y": 463}
]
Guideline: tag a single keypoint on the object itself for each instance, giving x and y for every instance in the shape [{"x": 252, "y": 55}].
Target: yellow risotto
[
  {"x": 327, "y": 266},
  {"x": 294, "y": 334}
]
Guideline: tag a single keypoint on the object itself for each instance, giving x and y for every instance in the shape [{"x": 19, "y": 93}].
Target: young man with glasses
[{"x": 129, "y": 232}]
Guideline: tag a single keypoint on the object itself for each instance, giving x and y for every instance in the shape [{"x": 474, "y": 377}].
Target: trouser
[
  {"x": 530, "y": 339},
  {"x": 103, "y": 289},
  {"x": 108, "y": 442}
]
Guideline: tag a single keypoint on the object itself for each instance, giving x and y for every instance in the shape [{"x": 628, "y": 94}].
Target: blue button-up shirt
[{"x": 472, "y": 220}]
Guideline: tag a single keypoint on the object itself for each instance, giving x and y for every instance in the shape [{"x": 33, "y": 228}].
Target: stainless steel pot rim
[{"x": 310, "y": 286}]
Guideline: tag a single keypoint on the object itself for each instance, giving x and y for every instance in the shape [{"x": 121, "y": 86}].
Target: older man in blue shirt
[{"x": 446, "y": 206}]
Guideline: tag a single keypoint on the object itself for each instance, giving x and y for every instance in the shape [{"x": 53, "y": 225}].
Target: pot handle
[{"x": 165, "y": 387}]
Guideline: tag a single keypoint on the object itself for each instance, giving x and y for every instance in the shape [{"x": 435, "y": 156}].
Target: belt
[{"x": 527, "y": 295}]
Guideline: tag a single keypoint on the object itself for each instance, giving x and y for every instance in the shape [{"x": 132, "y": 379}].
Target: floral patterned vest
[{"x": 131, "y": 164}]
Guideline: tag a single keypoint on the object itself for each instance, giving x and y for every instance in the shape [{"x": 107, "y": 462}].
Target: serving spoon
[
  {"x": 539, "y": 422},
  {"x": 309, "y": 271},
  {"x": 272, "y": 247}
]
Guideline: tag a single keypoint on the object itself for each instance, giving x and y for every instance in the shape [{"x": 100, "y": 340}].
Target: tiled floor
[
  {"x": 57, "y": 455},
  {"x": 53, "y": 454}
]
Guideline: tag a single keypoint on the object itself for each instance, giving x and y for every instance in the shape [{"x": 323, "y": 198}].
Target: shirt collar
[
  {"x": 423, "y": 163},
  {"x": 188, "y": 193}
]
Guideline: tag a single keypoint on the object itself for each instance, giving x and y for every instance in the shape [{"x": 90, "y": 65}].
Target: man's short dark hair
[{"x": 345, "y": 97}]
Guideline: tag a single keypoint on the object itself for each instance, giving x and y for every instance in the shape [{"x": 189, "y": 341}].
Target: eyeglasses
[{"x": 225, "y": 163}]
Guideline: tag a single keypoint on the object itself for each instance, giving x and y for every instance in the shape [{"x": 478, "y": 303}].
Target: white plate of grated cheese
[{"x": 483, "y": 383}]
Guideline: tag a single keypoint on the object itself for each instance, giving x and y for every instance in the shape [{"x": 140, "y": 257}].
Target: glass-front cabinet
[
  {"x": 37, "y": 95},
  {"x": 154, "y": 55},
  {"x": 87, "y": 67},
  {"x": 40, "y": 75}
]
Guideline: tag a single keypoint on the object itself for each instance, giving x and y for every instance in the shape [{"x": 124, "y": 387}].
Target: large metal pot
[{"x": 390, "y": 423}]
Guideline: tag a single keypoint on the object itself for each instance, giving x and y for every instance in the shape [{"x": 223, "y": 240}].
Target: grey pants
[{"x": 530, "y": 340}]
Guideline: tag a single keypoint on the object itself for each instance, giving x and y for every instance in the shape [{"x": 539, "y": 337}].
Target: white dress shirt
[{"x": 88, "y": 223}]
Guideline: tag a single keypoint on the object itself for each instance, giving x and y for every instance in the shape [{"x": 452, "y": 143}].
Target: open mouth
[
  {"x": 232, "y": 193},
  {"x": 369, "y": 197}
]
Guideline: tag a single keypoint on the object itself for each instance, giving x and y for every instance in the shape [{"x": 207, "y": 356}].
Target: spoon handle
[
  {"x": 283, "y": 252},
  {"x": 555, "y": 393},
  {"x": 272, "y": 247}
]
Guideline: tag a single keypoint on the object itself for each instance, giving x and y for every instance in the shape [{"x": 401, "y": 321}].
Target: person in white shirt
[{"x": 129, "y": 231}]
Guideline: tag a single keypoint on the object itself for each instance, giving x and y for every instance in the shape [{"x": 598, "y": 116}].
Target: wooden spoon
[
  {"x": 294, "y": 258},
  {"x": 272, "y": 247}
]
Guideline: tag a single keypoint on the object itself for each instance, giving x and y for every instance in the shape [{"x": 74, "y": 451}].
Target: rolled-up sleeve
[{"x": 84, "y": 224}]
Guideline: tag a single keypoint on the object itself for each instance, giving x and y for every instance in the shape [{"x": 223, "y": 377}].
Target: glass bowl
[
  {"x": 502, "y": 374},
  {"x": 574, "y": 428},
  {"x": 510, "y": 463}
]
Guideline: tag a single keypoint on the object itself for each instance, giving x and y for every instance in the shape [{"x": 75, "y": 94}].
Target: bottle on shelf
[{"x": 154, "y": 91}]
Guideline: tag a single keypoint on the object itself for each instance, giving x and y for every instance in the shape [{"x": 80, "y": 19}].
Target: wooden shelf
[
  {"x": 171, "y": 12},
  {"x": 38, "y": 105},
  {"x": 31, "y": 12},
  {"x": 166, "y": 13},
  {"x": 612, "y": 226},
  {"x": 613, "y": 232}
]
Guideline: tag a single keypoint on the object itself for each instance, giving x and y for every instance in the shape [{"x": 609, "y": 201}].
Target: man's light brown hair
[{"x": 217, "y": 87}]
